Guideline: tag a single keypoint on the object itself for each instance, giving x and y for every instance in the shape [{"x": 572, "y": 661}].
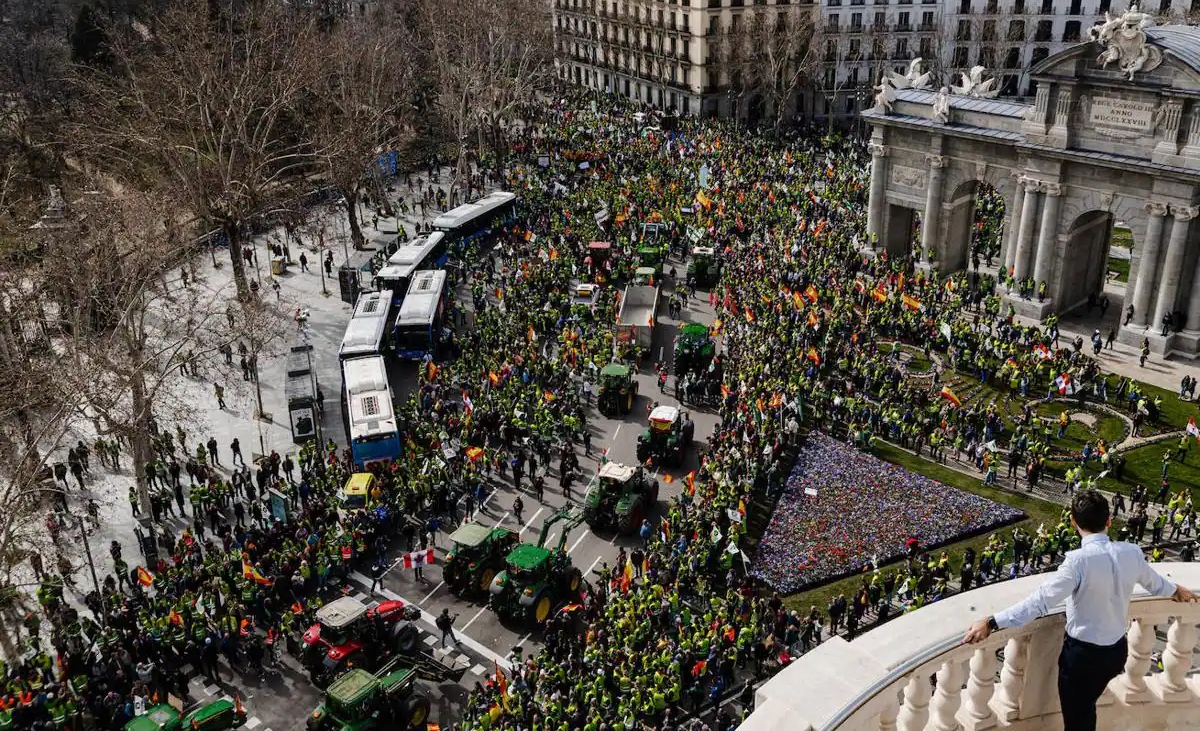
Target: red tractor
[{"x": 348, "y": 634}]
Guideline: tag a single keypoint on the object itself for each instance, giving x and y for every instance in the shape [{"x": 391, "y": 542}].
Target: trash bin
[{"x": 278, "y": 265}]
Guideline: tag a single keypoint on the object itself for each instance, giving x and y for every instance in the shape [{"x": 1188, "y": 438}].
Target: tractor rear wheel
[
  {"x": 574, "y": 581},
  {"x": 416, "y": 711},
  {"x": 486, "y": 577},
  {"x": 628, "y": 403},
  {"x": 540, "y": 611}
]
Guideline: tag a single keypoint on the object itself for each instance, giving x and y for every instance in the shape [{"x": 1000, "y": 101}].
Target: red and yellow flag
[
  {"x": 911, "y": 302},
  {"x": 949, "y": 395},
  {"x": 145, "y": 578},
  {"x": 814, "y": 356},
  {"x": 812, "y": 294},
  {"x": 494, "y": 377}
]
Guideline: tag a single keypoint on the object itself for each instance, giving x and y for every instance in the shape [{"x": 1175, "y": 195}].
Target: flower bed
[{"x": 864, "y": 509}]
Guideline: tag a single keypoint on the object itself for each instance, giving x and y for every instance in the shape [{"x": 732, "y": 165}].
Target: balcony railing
[{"x": 882, "y": 680}]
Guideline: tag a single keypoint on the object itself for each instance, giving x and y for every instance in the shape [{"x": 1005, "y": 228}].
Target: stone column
[
  {"x": 878, "y": 200},
  {"x": 1046, "y": 236},
  {"x": 1148, "y": 263},
  {"x": 1013, "y": 225},
  {"x": 1168, "y": 288},
  {"x": 1193, "y": 322},
  {"x": 931, "y": 219},
  {"x": 1025, "y": 234}
]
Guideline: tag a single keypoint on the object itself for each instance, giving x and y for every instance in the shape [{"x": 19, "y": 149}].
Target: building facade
[{"x": 670, "y": 53}]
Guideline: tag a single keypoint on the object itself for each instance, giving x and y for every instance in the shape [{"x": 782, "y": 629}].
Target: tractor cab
[
  {"x": 646, "y": 276},
  {"x": 667, "y": 436},
  {"x": 477, "y": 556},
  {"x": 619, "y": 495},
  {"x": 598, "y": 261},
  {"x": 703, "y": 269},
  {"x": 618, "y": 390},
  {"x": 348, "y": 634}
]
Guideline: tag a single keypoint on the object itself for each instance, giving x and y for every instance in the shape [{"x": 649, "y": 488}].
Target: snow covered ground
[{"x": 326, "y": 323}]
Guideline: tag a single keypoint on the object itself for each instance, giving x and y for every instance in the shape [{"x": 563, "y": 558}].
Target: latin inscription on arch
[{"x": 1123, "y": 116}]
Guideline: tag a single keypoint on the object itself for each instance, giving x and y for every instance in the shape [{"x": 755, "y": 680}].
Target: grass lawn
[
  {"x": 1038, "y": 511},
  {"x": 1118, "y": 269},
  {"x": 1122, "y": 237},
  {"x": 1108, "y": 427},
  {"x": 1143, "y": 466}
]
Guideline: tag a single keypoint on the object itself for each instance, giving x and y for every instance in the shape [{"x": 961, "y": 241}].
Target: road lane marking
[
  {"x": 592, "y": 567},
  {"x": 430, "y": 640},
  {"x": 530, "y": 521},
  {"x": 498, "y": 522},
  {"x": 521, "y": 642},
  {"x": 577, "y": 542},
  {"x": 478, "y": 670},
  {"x": 435, "y": 590},
  {"x": 472, "y": 620}
]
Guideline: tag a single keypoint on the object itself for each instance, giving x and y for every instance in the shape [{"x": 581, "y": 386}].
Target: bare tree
[
  {"x": 490, "y": 57},
  {"x": 358, "y": 111},
  {"x": 779, "y": 51},
  {"x": 134, "y": 327},
  {"x": 205, "y": 106}
]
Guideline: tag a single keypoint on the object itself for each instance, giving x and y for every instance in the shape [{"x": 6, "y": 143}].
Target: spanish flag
[
  {"x": 749, "y": 315},
  {"x": 813, "y": 320},
  {"x": 878, "y": 294},
  {"x": 502, "y": 684},
  {"x": 668, "y": 478},
  {"x": 474, "y": 453},
  {"x": 433, "y": 370},
  {"x": 742, "y": 507},
  {"x": 911, "y": 302},
  {"x": 627, "y": 575},
  {"x": 549, "y": 396},
  {"x": 249, "y": 572},
  {"x": 494, "y": 377},
  {"x": 947, "y": 394},
  {"x": 553, "y": 254},
  {"x": 812, "y": 294},
  {"x": 814, "y": 356},
  {"x": 531, "y": 334},
  {"x": 798, "y": 300},
  {"x": 664, "y": 527},
  {"x": 776, "y": 400},
  {"x": 724, "y": 391},
  {"x": 691, "y": 482},
  {"x": 145, "y": 578},
  {"x": 174, "y": 618}
]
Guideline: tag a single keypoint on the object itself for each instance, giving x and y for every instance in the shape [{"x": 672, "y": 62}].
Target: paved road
[
  {"x": 281, "y": 700},
  {"x": 587, "y": 549}
]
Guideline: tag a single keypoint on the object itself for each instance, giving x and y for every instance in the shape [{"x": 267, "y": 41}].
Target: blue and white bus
[
  {"x": 423, "y": 252},
  {"x": 478, "y": 219},
  {"x": 418, "y": 327},
  {"x": 366, "y": 333},
  {"x": 368, "y": 412}
]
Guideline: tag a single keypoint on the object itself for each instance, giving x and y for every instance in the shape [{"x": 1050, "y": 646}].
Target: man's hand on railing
[
  {"x": 978, "y": 632},
  {"x": 1183, "y": 594}
]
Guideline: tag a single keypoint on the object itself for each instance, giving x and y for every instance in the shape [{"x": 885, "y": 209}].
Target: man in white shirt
[{"x": 1097, "y": 581}]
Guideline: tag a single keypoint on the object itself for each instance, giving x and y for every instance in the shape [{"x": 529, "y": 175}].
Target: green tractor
[
  {"x": 645, "y": 276},
  {"x": 651, "y": 257},
  {"x": 618, "y": 390},
  {"x": 478, "y": 555},
  {"x": 667, "y": 436},
  {"x": 703, "y": 269},
  {"x": 537, "y": 579},
  {"x": 619, "y": 496},
  {"x": 694, "y": 349},
  {"x": 363, "y": 701}
]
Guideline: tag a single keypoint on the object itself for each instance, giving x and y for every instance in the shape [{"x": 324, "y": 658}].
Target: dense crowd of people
[{"x": 809, "y": 328}]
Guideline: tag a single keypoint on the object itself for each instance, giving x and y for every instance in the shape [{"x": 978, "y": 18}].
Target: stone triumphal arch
[{"x": 1113, "y": 135}]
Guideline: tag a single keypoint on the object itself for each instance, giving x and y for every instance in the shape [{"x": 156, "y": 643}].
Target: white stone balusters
[
  {"x": 914, "y": 712},
  {"x": 1007, "y": 701},
  {"x": 1177, "y": 660},
  {"x": 948, "y": 696},
  {"x": 1131, "y": 685},
  {"x": 976, "y": 714},
  {"x": 887, "y": 717}
]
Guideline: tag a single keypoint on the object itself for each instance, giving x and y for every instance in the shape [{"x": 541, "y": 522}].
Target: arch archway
[
  {"x": 974, "y": 225},
  {"x": 1085, "y": 257}
]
